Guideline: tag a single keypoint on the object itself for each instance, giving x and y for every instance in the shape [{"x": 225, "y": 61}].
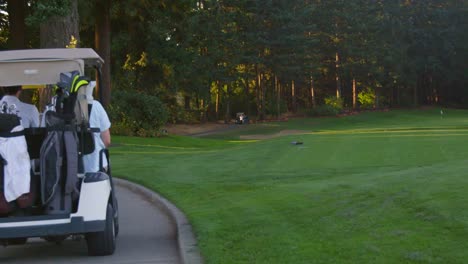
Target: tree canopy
[{"x": 212, "y": 58}]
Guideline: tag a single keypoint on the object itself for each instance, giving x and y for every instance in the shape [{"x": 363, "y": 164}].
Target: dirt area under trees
[
  {"x": 195, "y": 129},
  {"x": 214, "y": 128}
]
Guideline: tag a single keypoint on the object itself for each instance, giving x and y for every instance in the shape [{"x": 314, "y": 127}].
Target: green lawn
[{"x": 382, "y": 187}]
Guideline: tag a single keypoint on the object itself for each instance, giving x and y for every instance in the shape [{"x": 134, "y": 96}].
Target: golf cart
[
  {"x": 241, "y": 118},
  {"x": 63, "y": 200}
]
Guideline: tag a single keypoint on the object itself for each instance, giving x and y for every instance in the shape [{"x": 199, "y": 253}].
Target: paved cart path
[{"x": 146, "y": 236}]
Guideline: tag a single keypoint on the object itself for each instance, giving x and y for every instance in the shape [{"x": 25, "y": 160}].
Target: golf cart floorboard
[
  {"x": 14, "y": 219},
  {"x": 75, "y": 225}
]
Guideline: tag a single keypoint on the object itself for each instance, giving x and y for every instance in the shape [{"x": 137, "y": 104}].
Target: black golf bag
[
  {"x": 59, "y": 165},
  {"x": 62, "y": 150}
]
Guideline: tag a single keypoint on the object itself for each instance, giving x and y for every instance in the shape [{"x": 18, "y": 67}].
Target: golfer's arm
[{"x": 106, "y": 138}]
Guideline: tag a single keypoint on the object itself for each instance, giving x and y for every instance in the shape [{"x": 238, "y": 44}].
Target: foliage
[
  {"x": 415, "y": 49},
  {"x": 180, "y": 115},
  {"x": 323, "y": 110},
  {"x": 332, "y": 107},
  {"x": 44, "y": 9},
  {"x": 73, "y": 43},
  {"x": 137, "y": 114},
  {"x": 334, "y": 102},
  {"x": 272, "y": 107},
  {"x": 366, "y": 98},
  {"x": 3, "y": 26}
]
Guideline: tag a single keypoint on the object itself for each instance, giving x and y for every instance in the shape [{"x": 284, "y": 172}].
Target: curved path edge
[{"x": 188, "y": 249}]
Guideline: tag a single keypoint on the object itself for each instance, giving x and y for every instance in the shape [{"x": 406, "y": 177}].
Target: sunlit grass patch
[
  {"x": 390, "y": 131},
  {"x": 156, "y": 146},
  {"x": 242, "y": 141},
  {"x": 161, "y": 152}
]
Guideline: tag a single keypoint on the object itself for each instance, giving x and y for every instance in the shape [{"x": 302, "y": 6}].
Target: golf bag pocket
[{"x": 59, "y": 171}]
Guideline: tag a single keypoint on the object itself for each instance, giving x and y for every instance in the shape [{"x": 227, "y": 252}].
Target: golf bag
[
  {"x": 59, "y": 165},
  {"x": 61, "y": 152},
  {"x": 71, "y": 100}
]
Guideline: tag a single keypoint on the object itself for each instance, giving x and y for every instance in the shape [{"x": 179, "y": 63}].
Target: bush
[
  {"x": 336, "y": 103},
  {"x": 332, "y": 107},
  {"x": 137, "y": 114},
  {"x": 367, "y": 98},
  {"x": 272, "y": 107},
  {"x": 323, "y": 110},
  {"x": 189, "y": 116}
]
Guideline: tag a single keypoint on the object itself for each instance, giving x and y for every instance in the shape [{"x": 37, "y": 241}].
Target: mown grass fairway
[{"x": 388, "y": 187}]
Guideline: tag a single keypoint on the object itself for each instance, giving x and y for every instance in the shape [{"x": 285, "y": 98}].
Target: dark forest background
[{"x": 206, "y": 60}]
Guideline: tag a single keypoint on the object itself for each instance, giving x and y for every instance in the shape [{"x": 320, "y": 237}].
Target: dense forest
[{"x": 208, "y": 59}]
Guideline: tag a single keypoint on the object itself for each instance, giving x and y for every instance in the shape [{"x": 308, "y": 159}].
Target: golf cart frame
[{"x": 93, "y": 211}]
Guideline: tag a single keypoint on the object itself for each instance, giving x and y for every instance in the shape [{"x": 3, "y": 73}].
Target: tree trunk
[
  {"x": 312, "y": 92},
  {"x": 337, "y": 76},
  {"x": 398, "y": 91},
  {"x": 278, "y": 97},
  {"x": 57, "y": 32},
  {"x": 415, "y": 94},
  {"x": 202, "y": 111},
  {"x": 16, "y": 10},
  {"x": 263, "y": 89},
  {"x": 228, "y": 111},
  {"x": 293, "y": 97},
  {"x": 377, "y": 96},
  {"x": 247, "y": 99},
  {"x": 16, "y": 37},
  {"x": 102, "y": 42},
  {"x": 217, "y": 100},
  {"x": 354, "y": 93},
  {"x": 187, "y": 100},
  {"x": 259, "y": 96},
  {"x": 227, "y": 116}
]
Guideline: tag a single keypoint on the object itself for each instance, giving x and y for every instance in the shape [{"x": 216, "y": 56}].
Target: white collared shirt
[
  {"x": 27, "y": 112},
  {"x": 97, "y": 119}
]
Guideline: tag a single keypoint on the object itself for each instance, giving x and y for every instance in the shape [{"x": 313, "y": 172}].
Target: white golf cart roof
[{"x": 43, "y": 66}]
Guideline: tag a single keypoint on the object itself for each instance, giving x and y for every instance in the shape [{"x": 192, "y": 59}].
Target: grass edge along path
[{"x": 373, "y": 197}]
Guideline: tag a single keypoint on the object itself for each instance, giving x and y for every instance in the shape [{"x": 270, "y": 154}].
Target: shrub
[
  {"x": 323, "y": 110},
  {"x": 336, "y": 103},
  {"x": 272, "y": 107},
  {"x": 332, "y": 107},
  {"x": 186, "y": 116},
  {"x": 367, "y": 98},
  {"x": 137, "y": 114}
]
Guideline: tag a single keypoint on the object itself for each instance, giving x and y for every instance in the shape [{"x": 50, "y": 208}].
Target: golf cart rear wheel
[{"x": 103, "y": 243}]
